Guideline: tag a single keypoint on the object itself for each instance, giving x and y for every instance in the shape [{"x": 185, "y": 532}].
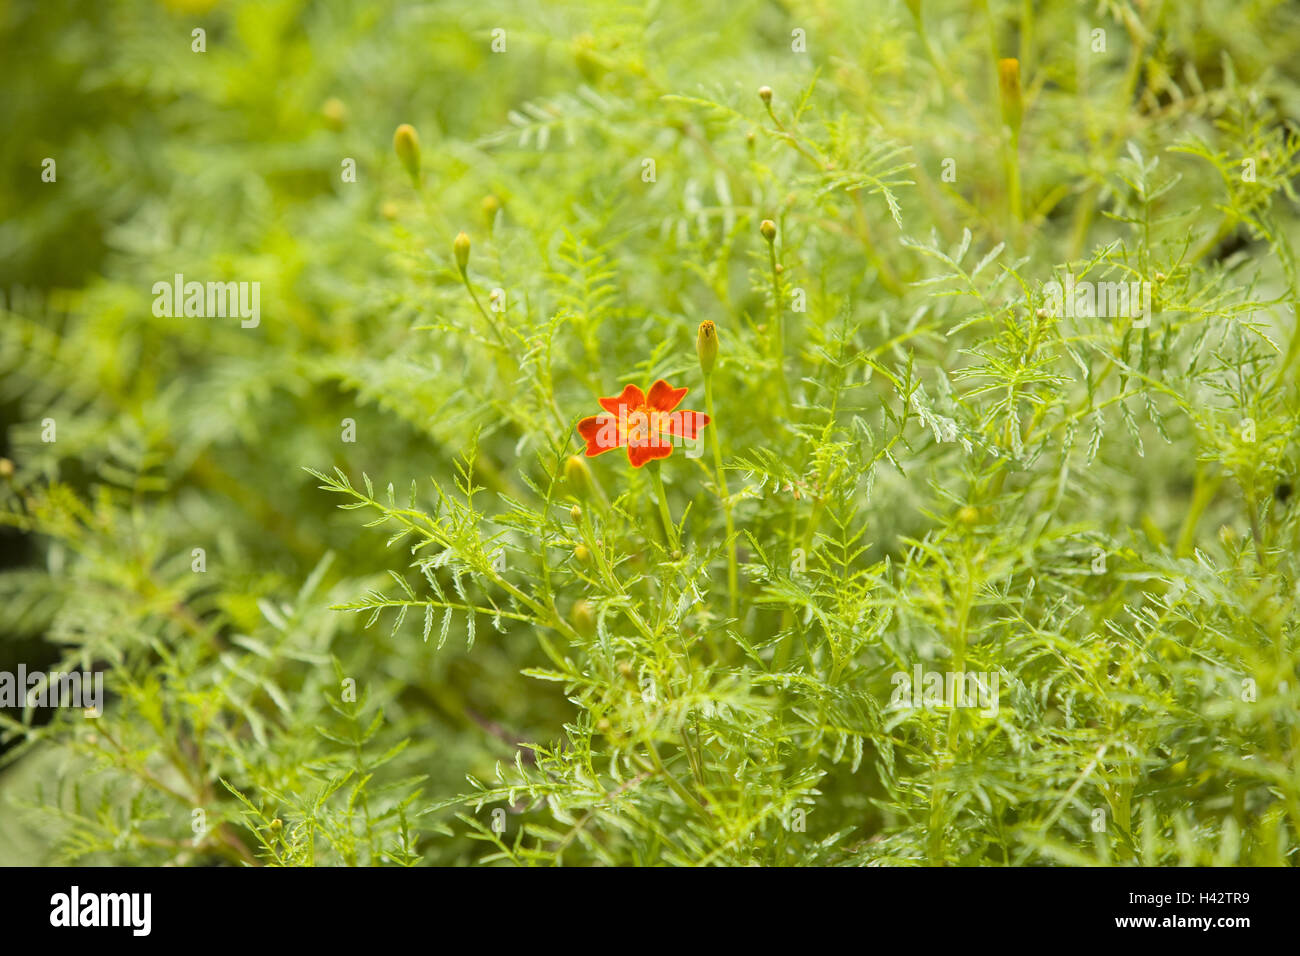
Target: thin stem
[
  {"x": 724, "y": 494},
  {"x": 495, "y": 327},
  {"x": 778, "y": 328},
  {"x": 1013, "y": 182},
  {"x": 670, "y": 530}
]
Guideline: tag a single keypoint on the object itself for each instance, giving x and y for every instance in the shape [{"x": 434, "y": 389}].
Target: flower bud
[
  {"x": 6, "y": 468},
  {"x": 706, "y": 346},
  {"x": 276, "y": 825},
  {"x": 582, "y": 553},
  {"x": 1013, "y": 107},
  {"x": 575, "y": 513},
  {"x": 588, "y": 59},
  {"x": 461, "y": 248},
  {"x": 584, "y": 618},
  {"x": 335, "y": 113},
  {"x": 968, "y": 515},
  {"x": 765, "y": 94},
  {"x": 578, "y": 475},
  {"x": 406, "y": 143},
  {"x": 491, "y": 206},
  {"x": 768, "y": 228}
]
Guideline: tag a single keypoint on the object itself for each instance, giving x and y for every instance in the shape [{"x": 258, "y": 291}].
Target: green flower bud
[
  {"x": 461, "y": 248},
  {"x": 768, "y": 228},
  {"x": 491, "y": 206},
  {"x": 578, "y": 475},
  {"x": 335, "y": 113},
  {"x": 588, "y": 59},
  {"x": 765, "y": 94},
  {"x": 706, "y": 346},
  {"x": 584, "y": 618},
  {"x": 406, "y": 143}
]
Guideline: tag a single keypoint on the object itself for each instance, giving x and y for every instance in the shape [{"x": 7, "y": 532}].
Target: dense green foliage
[{"x": 925, "y": 463}]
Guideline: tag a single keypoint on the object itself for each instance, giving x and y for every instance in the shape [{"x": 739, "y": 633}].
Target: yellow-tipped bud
[
  {"x": 491, "y": 206},
  {"x": 1013, "y": 107},
  {"x": 276, "y": 825},
  {"x": 575, "y": 513},
  {"x": 582, "y": 553},
  {"x": 968, "y": 515},
  {"x": 6, "y": 468},
  {"x": 578, "y": 475},
  {"x": 461, "y": 248},
  {"x": 706, "y": 346},
  {"x": 765, "y": 94},
  {"x": 584, "y": 618},
  {"x": 335, "y": 113},
  {"x": 768, "y": 228},
  {"x": 588, "y": 59},
  {"x": 406, "y": 143}
]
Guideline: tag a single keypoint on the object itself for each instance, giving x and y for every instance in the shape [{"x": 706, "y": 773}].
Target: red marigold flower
[{"x": 645, "y": 424}]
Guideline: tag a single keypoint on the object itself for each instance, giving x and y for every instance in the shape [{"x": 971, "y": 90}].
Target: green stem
[
  {"x": 493, "y": 325},
  {"x": 778, "y": 328},
  {"x": 724, "y": 494},
  {"x": 1203, "y": 492},
  {"x": 945, "y": 759},
  {"x": 670, "y": 530},
  {"x": 1013, "y": 182}
]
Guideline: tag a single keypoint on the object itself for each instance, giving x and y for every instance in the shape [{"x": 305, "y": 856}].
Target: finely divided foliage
[{"x": 923, "y": 475}]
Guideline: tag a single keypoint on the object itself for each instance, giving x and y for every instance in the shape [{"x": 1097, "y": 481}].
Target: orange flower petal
[
  {"x": 664, "y": 397},
  {"x": 638, "y": 455},
  {"x": 600, "y": 432},
  {"x": 630, "y": 398},
  {"x": 686, "y": 423}
]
